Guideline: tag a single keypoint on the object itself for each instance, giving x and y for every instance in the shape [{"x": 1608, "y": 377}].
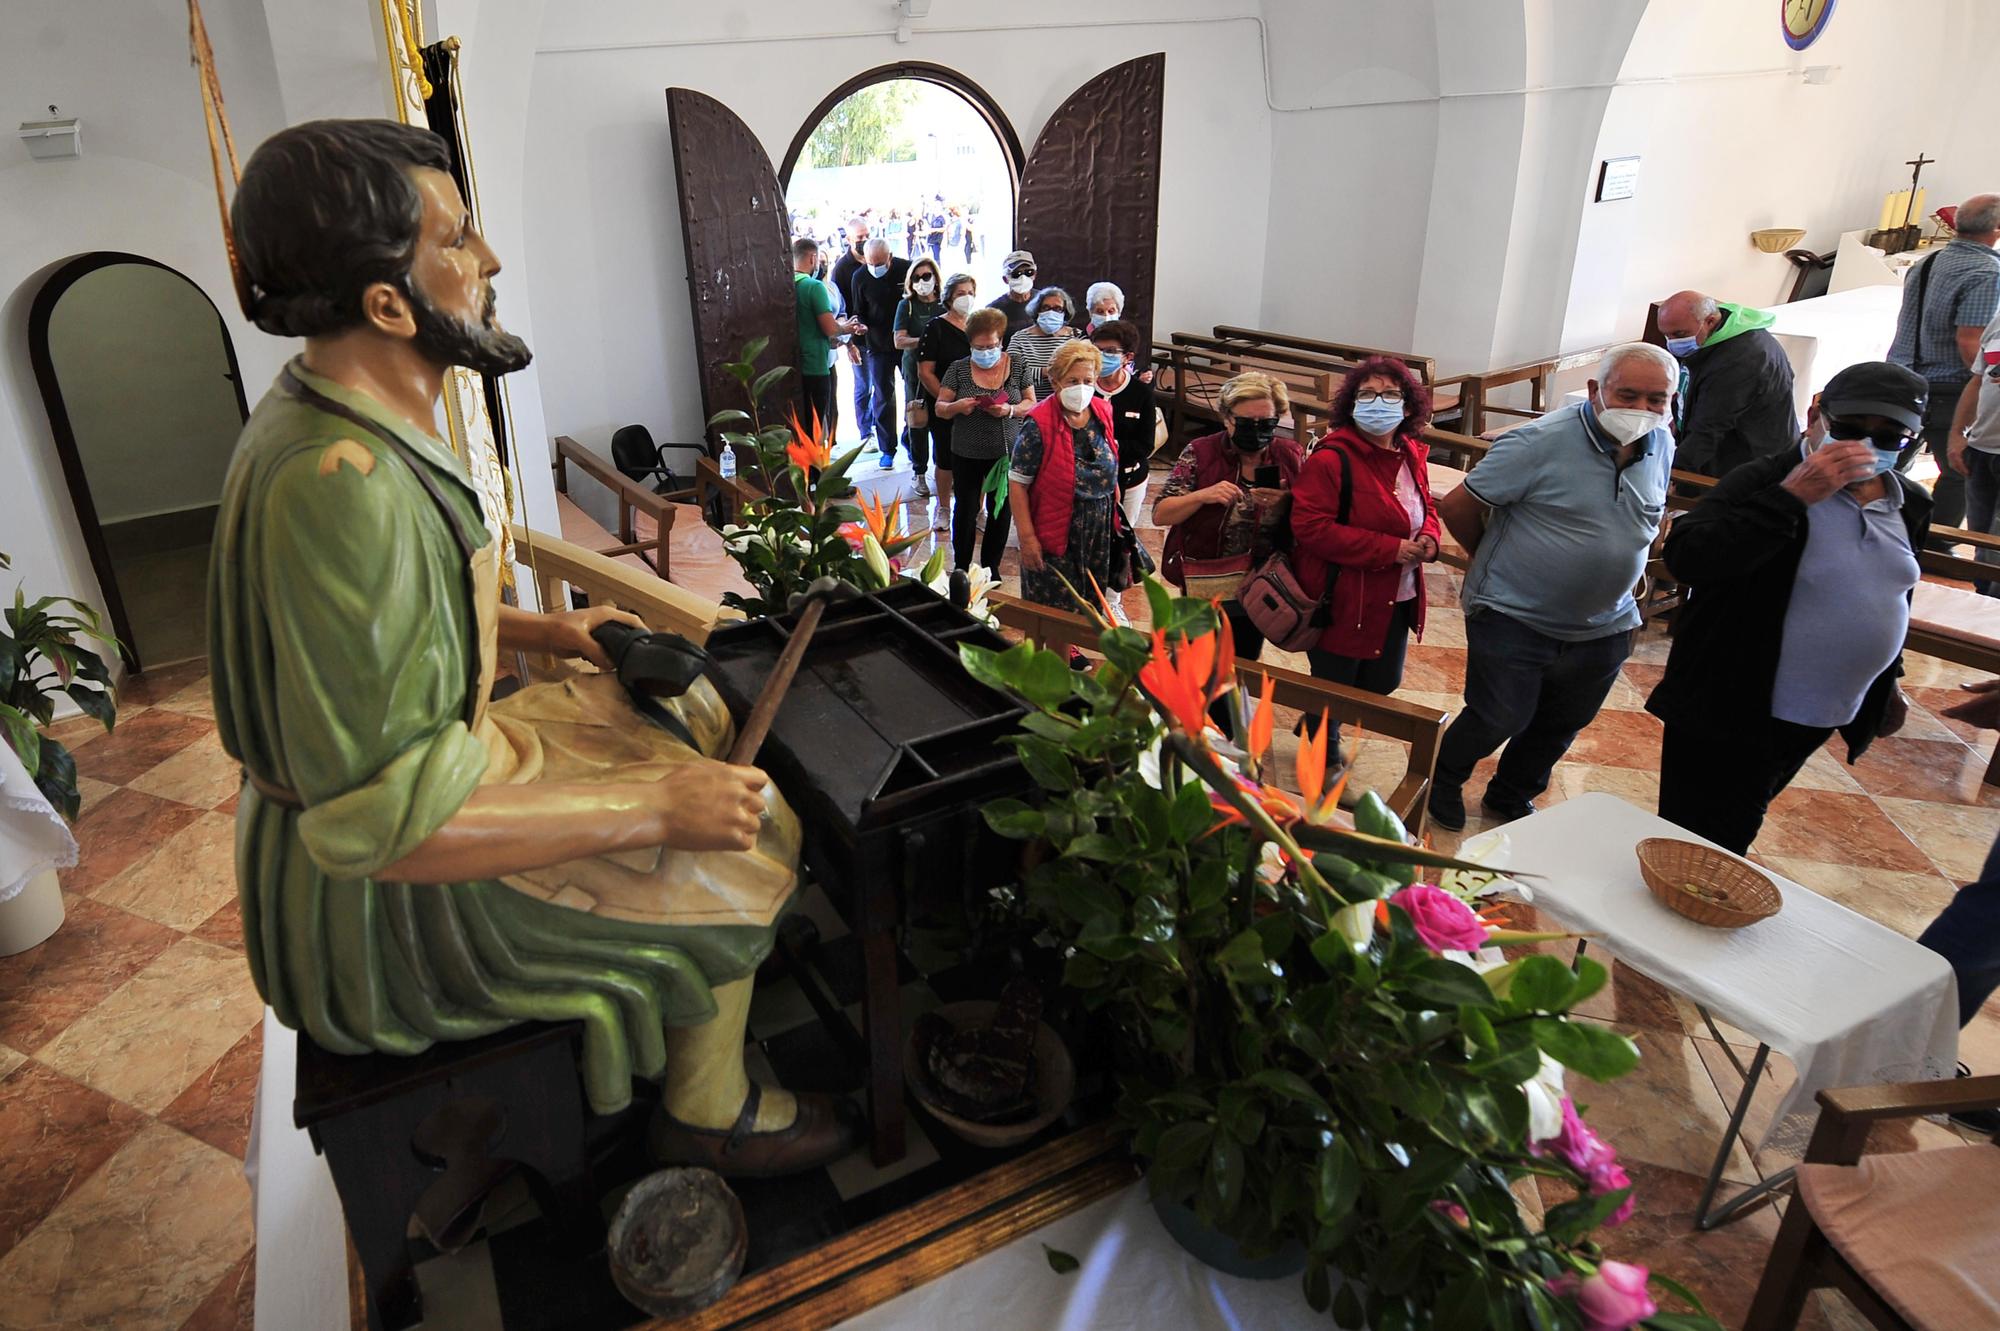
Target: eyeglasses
[
  {"x": 1893, "y": 437},
  {"x": 1393, "y": 399}
]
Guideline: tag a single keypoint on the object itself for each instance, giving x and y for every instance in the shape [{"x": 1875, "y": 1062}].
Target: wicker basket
[
  {"x": 1745, "y": 896},
  {"x": 1777, "y": 239}
]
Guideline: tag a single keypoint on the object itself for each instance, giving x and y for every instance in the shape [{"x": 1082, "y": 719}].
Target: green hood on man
[{"x": 1736, "y": 395}]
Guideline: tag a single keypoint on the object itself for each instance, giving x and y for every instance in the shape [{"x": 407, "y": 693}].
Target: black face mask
[
  {"x": 1252, "y": 434},
  {"x": 483, "y": 346}
]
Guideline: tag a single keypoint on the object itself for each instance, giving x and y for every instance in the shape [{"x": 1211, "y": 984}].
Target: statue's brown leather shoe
[{"x": 824, "y": 1129}]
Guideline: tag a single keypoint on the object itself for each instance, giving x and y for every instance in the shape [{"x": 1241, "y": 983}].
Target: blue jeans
[
  {"x": 1528, "y": 691},
  {"x": 1982, "y": 504},
  {"x": 876, "y": 408},
  {"x": 1967, "y": 934}
]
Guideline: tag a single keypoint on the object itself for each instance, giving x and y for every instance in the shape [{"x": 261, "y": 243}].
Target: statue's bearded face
[{"x": 450, "y": 285}]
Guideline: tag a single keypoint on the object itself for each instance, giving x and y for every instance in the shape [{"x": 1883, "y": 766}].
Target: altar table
[{"x": 1847, "y": 1000}]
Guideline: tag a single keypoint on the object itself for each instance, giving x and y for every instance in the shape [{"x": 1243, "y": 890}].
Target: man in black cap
[{"x": 1799, "y": 568}]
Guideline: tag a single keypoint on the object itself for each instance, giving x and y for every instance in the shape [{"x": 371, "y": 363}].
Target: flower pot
[
  {"x": 30, "y": 915},
  {"x": 1213, "y": 1248}
]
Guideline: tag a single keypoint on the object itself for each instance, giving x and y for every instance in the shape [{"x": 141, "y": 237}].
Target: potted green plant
[
  {"x": 41, "y": 657},
  {"x": 811, "y": 525},
  {"x": 1318, "y": 1051}
]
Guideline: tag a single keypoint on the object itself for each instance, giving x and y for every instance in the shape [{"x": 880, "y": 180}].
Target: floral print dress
[{"x": 1093, "y": 533}]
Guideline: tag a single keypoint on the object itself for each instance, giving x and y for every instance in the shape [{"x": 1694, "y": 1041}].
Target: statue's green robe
[{"x": 344, "y": 639}]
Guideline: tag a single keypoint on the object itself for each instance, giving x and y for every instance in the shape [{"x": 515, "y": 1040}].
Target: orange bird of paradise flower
[
  {"x": 884, "y": 523},
  {"x": 1262, "y": 723},
  {"x": 809, "y": 447},
  {"x": 1186, "y": 680},
  {"x": 1310, "y": 768}
]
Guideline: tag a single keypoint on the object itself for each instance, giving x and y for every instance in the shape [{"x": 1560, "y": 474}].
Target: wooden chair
[
  {"x": 1422, "y": 728},
  {"x": 1895, "y": 1233},
  {"x": 633, "y": 498}
]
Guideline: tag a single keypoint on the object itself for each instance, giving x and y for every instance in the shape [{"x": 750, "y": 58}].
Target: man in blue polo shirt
[
  {"x": 1948, "y": 300},
  {"x": 1558, "y": 517}
]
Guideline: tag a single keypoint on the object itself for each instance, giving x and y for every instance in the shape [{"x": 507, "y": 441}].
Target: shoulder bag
[{"x": 1277, "y": 604}]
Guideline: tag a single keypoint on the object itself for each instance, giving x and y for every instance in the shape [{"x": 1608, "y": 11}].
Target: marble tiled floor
[{"x": 129, "y": 1052}]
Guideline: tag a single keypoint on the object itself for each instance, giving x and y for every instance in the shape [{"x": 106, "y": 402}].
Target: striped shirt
[
  {"x": 1963, "y": 291},
  {"x": 1036, "y": 349}
]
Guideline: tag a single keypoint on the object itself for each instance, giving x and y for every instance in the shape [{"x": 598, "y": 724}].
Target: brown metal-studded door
[
  {"x": 738, "y": 248},
  {"x": 1090, "y": 194}
]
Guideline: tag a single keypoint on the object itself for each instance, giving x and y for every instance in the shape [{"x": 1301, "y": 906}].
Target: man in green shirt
[
  {"x": 818, "y": 326},
  {"x": 415, "y": 864}
]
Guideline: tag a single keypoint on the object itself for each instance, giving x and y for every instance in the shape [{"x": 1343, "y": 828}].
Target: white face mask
[
  {"x": 1077, "y": 396},
  {"x": 923, "y": 286},
  {"x": 962, "y": 306},
  {"x": 1020, "y": 284},
  {"x": 1626, "y": 424}
]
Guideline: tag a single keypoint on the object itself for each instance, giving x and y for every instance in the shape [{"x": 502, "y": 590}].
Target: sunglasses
[{"x": 1893, "y": 437}]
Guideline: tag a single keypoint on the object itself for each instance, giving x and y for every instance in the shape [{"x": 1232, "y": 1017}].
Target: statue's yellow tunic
[{"x": 351, "y": 640}]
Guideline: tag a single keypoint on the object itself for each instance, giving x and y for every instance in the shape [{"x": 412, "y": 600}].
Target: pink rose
[
  {"x": 1451, "y": 1211},
  {"x": 1589, "y": 1155},
  {"x": 1442, "y": 921},
  {"x": 1613, "y": 1298}
]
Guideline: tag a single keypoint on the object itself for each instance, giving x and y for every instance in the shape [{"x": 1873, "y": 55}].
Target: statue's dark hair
[{"x": 326, "y": 209}]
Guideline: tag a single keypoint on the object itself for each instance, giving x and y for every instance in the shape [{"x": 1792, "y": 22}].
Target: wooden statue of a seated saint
[{"x": 415, "y": 861}]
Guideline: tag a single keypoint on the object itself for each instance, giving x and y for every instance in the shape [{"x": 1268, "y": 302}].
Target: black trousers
[
  {"x": 1381, "y": 674},
  {"x": 968, "y": 477},
  {"x": 1717, "y": 782},
  {"x": 817, "y": 389}
]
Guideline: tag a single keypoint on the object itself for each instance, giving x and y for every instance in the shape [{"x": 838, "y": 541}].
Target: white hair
[
  {"x": 1103, "y": 289},
  {"x": 1624, "y": 351},
  {"x": 874, "y": 242}
]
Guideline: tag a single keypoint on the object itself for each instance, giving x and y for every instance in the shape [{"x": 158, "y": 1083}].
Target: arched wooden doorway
[
  {"x": 144, "y": 409},
  {"x": 1087, "y": 204}
]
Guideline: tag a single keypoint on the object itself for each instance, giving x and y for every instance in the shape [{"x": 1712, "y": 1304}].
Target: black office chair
[{"x": 634, "y": 453}]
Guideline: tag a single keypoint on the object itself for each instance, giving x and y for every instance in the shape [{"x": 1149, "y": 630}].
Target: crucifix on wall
[{"x": 1901, "y": 222}]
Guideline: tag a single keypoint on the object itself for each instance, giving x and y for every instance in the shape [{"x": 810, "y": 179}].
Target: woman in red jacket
[{"x": 1372, "y": 543}]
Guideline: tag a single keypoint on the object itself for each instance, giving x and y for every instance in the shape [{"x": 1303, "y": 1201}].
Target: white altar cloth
[{"x": 1847, "y": 1000}]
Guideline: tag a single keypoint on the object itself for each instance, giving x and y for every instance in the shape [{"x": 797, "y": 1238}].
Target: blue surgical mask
[
  {"x": 1682, "y": 347},
  {"x": 1114, "y": 361},
  {"x": 1049, "y": 320},
  {"x": 1885, "y": 458},
  {"x": 878, "y": 270},
  {"x": 1379, "y": 417},
  {"x": 986, "y": 357}
]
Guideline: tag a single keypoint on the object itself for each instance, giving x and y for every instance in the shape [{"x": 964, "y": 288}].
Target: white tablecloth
[
  {"x": 33, "y": 836},
  {"x": 1133, "y": 1278},
  {"x": 1848, "y": 1001}
]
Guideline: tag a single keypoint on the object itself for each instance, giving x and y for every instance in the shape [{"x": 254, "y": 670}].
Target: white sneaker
[
  {"x": 1118, "y": 615},
  {"x": 923, "y": 490}
]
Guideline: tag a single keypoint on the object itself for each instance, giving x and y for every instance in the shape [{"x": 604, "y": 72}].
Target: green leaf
[
  {"x": 1478, "y": 1028},
  {"x": 1572, "y": 1222},
  {"x": 1159, "y": 602},
  {"x": 21, "y": 736},
  {"x": 1083, "y": 971},
  {"x": 1541, "y": 984},
  {"x": 740, "y": 372},
  {"x": 1339, "y": 1182},
  {"x": 728, "y": 417},
  {"x": 1590, "y": 977},
  {"x": 766, "y": 380},
  {"x": 1242, "y": 957},
  {"x": 1097, "y": 847},
  {"x": 57, "y": 779},
  {"x": 1183, "y": 1144},
  {"x": 754, "y": 348},
  {"x": 1682, "y": 1322},
  {"x": 94, "y": 702},
  {"x": 1290, "y": 1085},
  {"x": 1683, "y": 1293},
  {"x": 1446, "y": 984},
  {"x": 1012, "y": 818},
  {"x": 1060, "y": 1262},
  {"x": 1193, "y": 814},
  {"x": 1043, "y": 679},
  {"x": 1225, "y": 1174},
  {"x": 1376, "y": 850},
  {"x": 1046, "y": 763},
  {"x": 1597, "y": 1052},
  {"x": 1209, "y": 885}
]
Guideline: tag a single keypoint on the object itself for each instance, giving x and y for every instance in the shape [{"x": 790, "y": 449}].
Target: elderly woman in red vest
[
  {"x": 1062, "y": 482},
  {"x": 1221, "y": 501},
  {"x": 1364, "y": 520}
]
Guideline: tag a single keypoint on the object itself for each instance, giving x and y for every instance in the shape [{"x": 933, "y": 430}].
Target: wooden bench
[
  {"x": 633, "y": 499},
  {"x": 1189, "y": 381},
  {"x": 1422, "y": 728},
  {"x": 1445, "y": 393},
  {"x": 666, "y": 606},
  {"x": 1476, "y": 391}
]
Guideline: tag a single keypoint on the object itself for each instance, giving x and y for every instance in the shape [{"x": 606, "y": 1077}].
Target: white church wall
[
  {"x": 1732, "y": 138},
  {"x": 608, "y": 277},
  {"x": 142, "y": 186}
]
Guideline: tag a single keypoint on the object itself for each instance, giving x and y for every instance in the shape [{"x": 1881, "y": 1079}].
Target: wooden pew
[
  {"x": 633, "y": 498},
  {"x": 1475, "y": 391},
  {"x": 1189, "y": 378},
  {"x": 1422, "y": 728},
  {"x": 1445, "y": 393},
  {"x": 663, "y": 605}
]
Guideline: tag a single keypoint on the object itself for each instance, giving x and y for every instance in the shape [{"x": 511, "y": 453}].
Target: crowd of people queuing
[{"x": 1798, "y": 565}]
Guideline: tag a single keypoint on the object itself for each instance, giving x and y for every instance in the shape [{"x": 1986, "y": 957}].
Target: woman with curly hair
[{"x": 1364, "y": 524}]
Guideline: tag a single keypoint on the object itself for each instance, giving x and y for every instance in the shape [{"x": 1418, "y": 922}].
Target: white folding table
[{"x": 1849, "y": 1001}]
